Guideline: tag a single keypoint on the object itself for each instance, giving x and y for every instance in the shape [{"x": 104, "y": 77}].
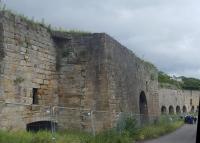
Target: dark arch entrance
[
  {"x": 178, "y": 110},
  {"x": 41, "y": 125},
  {"x": 143, "y": 108},
  {"x": 184, "y": 109},
  {"x": 163, "y": 110},
  {"x": 143, "y": 104},
  {"x": 171, "y": 110},
  {"x": 192, "y": 109}
]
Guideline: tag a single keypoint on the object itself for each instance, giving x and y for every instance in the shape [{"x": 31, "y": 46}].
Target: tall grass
[
  {"x": 127, "y": 134},
  {"x": 164, "y": 126},
  {"x": 64, "y": 137}
]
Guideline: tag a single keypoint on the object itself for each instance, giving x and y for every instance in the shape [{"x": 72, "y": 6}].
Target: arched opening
[
  {"x": 143, "y": 107},
  {"x": 41, "y": 125},
  {"x": 190, "y": 101},
  {"x": 143, "y": 104},
  {"x": 171, "y": 110},
  {"x": 184, "y": 109},
  {"x": 163, "y": 110},
  {"x": 192, "y": 109},
  {"x": 178, "y": 110}
]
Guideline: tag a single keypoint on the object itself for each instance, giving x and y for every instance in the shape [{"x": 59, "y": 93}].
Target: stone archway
[
  {"x": 178, "y": 109},
  {"x": 184, "y": 109},
  {"x": 171, "y": 110},
  {"x": 143, "y": 104},
  {"x": 41, "y": 125},
  {"x": 143, "y": 107},
  {"x": 163, "y": 110}
]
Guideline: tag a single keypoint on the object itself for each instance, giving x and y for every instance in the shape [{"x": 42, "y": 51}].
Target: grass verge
[
  {"x": 156, "y": 130},
  {"x": 111, "y": 136},
  {"x": 64, "y": 137}
]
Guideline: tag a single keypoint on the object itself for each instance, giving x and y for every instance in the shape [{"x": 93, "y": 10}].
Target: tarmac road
[{"x": 186, "y": 134}]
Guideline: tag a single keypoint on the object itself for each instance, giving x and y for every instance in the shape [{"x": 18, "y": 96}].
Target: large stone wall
[
  {"x": 1, "y": 60},
  {"x": 128, "y": 76},
  {"x": 96, "y": 72},
  {"x": 188, "y": 99},
  {"x": 70, "y": 70},
  {"x": 29, "y": 62},
  {"x": 75, "y": 73}
]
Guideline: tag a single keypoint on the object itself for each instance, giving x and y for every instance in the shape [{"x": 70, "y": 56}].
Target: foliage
[
  {"x": 186, "y": 83},
  {"x": 110, "y": 136},
  {"x": 164, "y": 78},
  {"x": 70, "y": 31},
  {"x": 148, "y": 64},
  {"x": 127, "y": 125},
  {"x": 64, "y": 137},
  {"x": 130, "y": 125},
  {"x": 18, "y": 80},
  {"x": 190, "y": 83},
  {"x": 154, "y": 131},
  {"x": 130, "y": 133},
  {"x": 162, "y": 127},
  {"x": 66, "y": 52}
]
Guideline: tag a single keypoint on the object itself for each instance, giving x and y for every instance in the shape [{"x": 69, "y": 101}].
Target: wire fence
[{"x": 14, "y": 116}]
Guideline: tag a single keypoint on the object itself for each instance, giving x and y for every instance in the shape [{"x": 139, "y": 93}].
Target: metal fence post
[
  {"x": 52, "y": 111},
  {"x": 93, "y": 124}
]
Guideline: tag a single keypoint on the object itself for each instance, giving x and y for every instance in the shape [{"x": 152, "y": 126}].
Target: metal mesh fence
[
  {"x": 16, "y": 116},
  {"x": 58, "y": 119},
  {"x": 72, "y": 118}
]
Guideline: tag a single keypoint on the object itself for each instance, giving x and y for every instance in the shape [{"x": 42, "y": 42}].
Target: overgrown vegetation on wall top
[{"x": 34, "y": 23}]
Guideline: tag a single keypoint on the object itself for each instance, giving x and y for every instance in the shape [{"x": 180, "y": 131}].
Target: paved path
[{"x": 186, "y": 134}]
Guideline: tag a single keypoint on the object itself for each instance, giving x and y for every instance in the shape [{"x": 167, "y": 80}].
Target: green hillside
[{"x": 185, "y": 83}]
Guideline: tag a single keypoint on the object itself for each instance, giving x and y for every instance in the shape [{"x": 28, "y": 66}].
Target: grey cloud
[{"x": 165, "y": 32}]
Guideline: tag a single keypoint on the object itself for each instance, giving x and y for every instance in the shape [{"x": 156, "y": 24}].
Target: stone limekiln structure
[
  {"x": 69, "y": 74},
  {"x": 173, "y": 101},
  {"x": 86, "y": 71}
]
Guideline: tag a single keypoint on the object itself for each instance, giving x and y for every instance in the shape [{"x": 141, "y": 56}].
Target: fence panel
[
  {"x": 15, "y": 116},
  {"x": 73, "y": 118}
]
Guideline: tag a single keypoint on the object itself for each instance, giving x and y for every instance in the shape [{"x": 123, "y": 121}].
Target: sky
[{"x": 164, "y": 32}]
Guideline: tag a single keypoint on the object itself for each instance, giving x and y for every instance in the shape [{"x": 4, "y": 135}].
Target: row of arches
[{"x": 177, "y": 110}]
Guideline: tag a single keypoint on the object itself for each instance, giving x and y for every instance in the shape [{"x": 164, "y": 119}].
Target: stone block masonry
[
  {"x": 103, "y": 75},
  {"x": 177, "y": 101},
  {"x": 77, "y": 70},
  {"x": 28, "y": 64},
  {"x": 29, "y": 61}
]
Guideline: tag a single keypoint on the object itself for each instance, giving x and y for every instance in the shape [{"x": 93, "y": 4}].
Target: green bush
[
  {"x": 127, "y": 125},
  {"x": 130, "y": 126},
  {"x": 156, "y": 130},
  {"x": 190, "y": 83}
]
